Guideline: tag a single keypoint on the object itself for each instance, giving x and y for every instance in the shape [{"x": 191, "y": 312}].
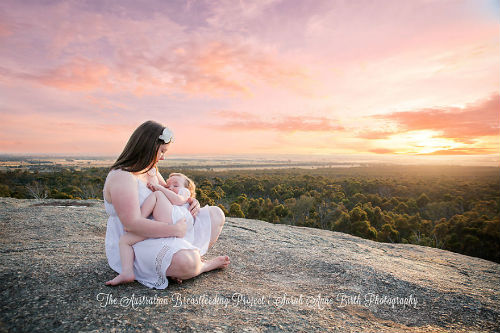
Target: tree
[
  {"x": 302, "y": 208},
  {"x": 205, "y": 184},
  {"x": 377, "y": 218},
  {"x": 235, "y": 210},
  {"x": 37, "y": 191},
  {"x": 343, "y": 223},
  {"x": 4, "y": 190},
  {"x": 218, "y": 181},
  {"x": 203, "y": 198},
  {"x": 388, "y": 234},
  {"x": 358, "y": 197},
  {"x": 439, "y": 233},
  {"x": 224, "y": 210},
  {"x": 281, "y": 211},
  {"x": 358, "y": 214},
  {"x": 363, "y": 229},
  {"x": 422, "y": 200},
  {"x": 403, "y": 226},
  {"x": 253, "y": 210}
]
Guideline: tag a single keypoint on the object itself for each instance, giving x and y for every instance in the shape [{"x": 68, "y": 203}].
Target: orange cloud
[
  {"x": 245, "y": 121},
  {"x": 382, "y": 151},
  {"x": 463, "y": 151},
  {"x": 375, "y": 135},
  {"x": 460, "y": 124}
]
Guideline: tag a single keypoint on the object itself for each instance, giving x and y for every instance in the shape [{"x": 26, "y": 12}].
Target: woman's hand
[
  {"x": 181, "y": 227},
  {"x": 194, "y": 206}
]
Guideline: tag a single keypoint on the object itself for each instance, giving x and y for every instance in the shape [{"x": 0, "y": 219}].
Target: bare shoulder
[
  {"x": 118, "y": 180},
  {"x": 119, "y": 175}
]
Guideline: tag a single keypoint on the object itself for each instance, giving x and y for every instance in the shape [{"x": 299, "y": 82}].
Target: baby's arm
[{"x": 174, "y": 198}]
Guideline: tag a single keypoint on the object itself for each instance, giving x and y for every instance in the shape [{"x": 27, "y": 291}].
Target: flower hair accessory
[{"x": 167, "y": 136}]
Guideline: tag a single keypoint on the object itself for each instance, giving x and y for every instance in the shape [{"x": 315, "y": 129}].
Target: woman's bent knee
[
  {"x": 185, "y": 264},
  {"x": 217, "y": 216}
]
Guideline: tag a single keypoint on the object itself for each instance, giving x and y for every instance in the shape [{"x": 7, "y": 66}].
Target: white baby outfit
[
  {"x": 180, "y": 211},
  {"x": 154, "y": 255}
]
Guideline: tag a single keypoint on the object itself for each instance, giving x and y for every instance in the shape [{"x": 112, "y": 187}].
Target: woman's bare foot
[
  {"x": 219, "y": 262},
  {"x": 121, "y": 278},
  {"x": 176, "y": 279}
]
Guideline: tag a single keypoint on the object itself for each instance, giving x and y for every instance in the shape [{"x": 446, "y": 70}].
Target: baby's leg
[
  {"x": 163, "y": 209},
  {"x": 148, "y": 205},
  {"x": 127, "y": 258}
]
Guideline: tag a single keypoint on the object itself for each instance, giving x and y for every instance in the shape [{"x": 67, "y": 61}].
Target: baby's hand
[{"x": 153, "y": 187}]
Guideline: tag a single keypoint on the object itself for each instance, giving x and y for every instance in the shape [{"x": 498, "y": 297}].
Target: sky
[{"x": 322, "y": 77}]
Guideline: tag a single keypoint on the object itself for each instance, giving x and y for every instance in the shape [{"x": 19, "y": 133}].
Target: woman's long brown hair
[{"x": 141, "y": 149}]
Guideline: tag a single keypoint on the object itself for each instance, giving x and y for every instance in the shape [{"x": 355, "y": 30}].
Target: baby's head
[{"x": 177, "y": 180}]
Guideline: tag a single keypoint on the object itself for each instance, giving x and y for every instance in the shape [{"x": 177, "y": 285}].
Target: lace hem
[{"x": 159, "y": 259}]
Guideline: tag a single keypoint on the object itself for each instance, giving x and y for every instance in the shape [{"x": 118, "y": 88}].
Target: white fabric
[
  {"x": 184, "y": 192},
  {"x": 154, "y": 255},
  {"x": 181, "y": 211}
]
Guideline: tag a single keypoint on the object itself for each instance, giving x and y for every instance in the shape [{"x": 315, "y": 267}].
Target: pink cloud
[
  {"x": 51, "y": 133},
  {"x": 245, "y": 121},
  {"x": 77, "y": 75},
  {"x": 228, "y": 114},
  {"x": 4, "y": 30},
  {"x": 193, "y": 68},
  {"x": 80, "y": 74},
  {"x": 226, "y": 66},
  {"x": 464, "y": 125}
]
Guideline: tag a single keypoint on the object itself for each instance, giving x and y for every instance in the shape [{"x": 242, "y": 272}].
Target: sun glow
[{"x": 424, "y": 142}]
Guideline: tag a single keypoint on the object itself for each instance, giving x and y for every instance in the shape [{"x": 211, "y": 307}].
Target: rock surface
[{"x": 281, "y": 278}]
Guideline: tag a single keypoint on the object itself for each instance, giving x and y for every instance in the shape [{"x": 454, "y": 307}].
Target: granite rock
[{"x": 281, "y": 278}]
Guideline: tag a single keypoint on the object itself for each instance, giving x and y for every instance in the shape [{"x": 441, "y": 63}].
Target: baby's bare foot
[{"x": 121, "y": 278}]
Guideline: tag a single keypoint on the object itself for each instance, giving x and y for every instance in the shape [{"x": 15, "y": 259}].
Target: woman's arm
[
  {"x": 161, "y": 181},
  {"x": 122, "y": 187},
  {"x": 194, "y": 206}
]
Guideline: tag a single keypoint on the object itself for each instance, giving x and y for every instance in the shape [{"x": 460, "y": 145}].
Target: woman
[{"x": 165, "y": 253}]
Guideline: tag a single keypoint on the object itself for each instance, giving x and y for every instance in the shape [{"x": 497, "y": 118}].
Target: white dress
[{"x": 154, "y": 255}]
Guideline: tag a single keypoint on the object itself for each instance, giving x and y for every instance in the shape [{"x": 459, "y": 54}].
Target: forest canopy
[{"x": 453, "y": 208}]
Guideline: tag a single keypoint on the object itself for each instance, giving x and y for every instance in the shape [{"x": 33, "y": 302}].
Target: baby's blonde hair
[{"x": 188, "y": 183}]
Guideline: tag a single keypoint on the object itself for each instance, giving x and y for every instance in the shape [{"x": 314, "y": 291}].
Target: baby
[{"x": 167, "y": 204}]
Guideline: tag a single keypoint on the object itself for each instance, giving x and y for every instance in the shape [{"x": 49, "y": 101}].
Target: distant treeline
[{"x": 453, "y": 208}]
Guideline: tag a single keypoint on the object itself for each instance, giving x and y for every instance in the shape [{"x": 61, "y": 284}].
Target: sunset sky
[{"x": 319, "y": 77}]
